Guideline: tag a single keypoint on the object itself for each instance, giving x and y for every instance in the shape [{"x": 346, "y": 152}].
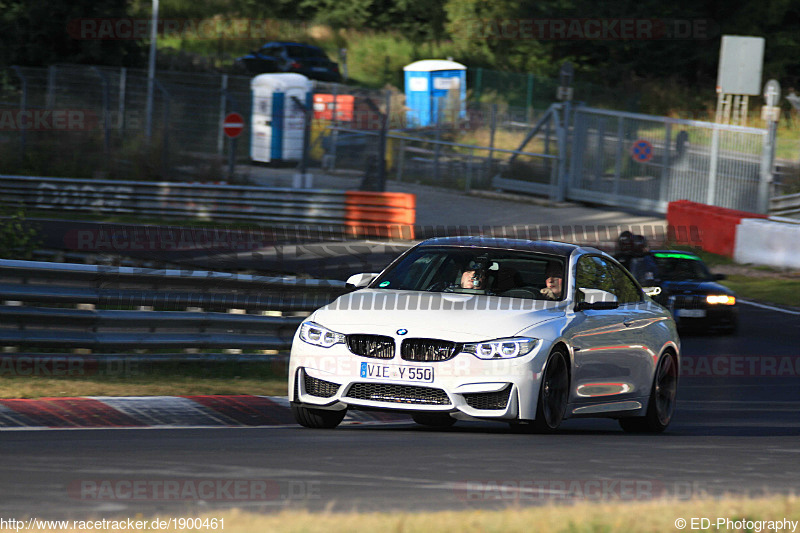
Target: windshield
[
  {"x": 681, "y": 267},
  {"x": 305, "y": 52},
  {"x": 514, "y": 274}
]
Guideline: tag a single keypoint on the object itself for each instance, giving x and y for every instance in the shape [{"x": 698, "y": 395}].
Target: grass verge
[
  {"x": 637, "y": 517},
  {"x": 95, "y": 378},
  {"x": 765, "y": 289},
  {"x": 761, "y": 283}
]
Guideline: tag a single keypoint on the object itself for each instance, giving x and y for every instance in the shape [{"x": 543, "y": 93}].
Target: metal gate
[{"x": 645, "y": 162}]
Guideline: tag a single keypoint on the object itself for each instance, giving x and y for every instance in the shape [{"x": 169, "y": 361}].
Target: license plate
[
  {"x": 319, "y": 69},
  {"x": 691, "y": 313},
  {"x": 417, "y": 374}
]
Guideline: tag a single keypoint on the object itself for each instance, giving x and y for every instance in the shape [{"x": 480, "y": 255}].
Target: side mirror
[
  {"x": 719, "y": 277},
  {"x": 596, "y": 306},
  {"x": 597, "y": 300},
  {"x": 359, "y": 281},
  {"x": 652, "y": 291}
]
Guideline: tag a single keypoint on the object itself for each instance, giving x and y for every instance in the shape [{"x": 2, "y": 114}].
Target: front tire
[
  {"x": 553, "y": 394},
  {"x": 438, "y": 420},
  {"x": 661, "y": 406},
  {"x": 317, "y": 418}
]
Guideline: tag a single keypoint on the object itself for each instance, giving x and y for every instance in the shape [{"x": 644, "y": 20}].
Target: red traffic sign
[
  {"x": 233, "y": 125},
  {"x": 642, "y": 151}
]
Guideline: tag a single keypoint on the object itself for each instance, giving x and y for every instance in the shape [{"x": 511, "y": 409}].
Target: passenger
[{"x": 553, "y": 281}]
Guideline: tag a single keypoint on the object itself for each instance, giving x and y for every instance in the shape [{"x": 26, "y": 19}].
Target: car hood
[
  {"x": 438, "y": 315},
  {"x": 695, "y": 287}
]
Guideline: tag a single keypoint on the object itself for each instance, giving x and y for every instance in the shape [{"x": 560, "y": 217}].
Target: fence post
[
  {"x": 382, "y": 143},
  {"x": 765, "y": 174},
  {"x": 165, "y": 127},
  {"x": 23, "y": 104},
  {"x": 492, "y": 130},
  {"x": 437, "y": 147},
  {"x": 666, "y": 166},
  {"x": 711, "y": 191},
  {"x": 529, "y": 99},
  {"x": 563, "y": 136},
  {"x": 123, "y": 82},
  {"x": 478, "y": 83},
  {"x": 106, "y": 113},
  {"x": 547, "y": 137},
  {"x": 222, "y": 112},
  {"x": 334, "y": 134},
  {"x": 400, "y": 159},
  {"x": 468, "y": 184},
  {"x": 619, "y": 156},
  {"x": 51, "y": 87}
]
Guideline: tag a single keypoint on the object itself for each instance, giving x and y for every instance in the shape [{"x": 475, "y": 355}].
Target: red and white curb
[{"x": 161, "y": 411}]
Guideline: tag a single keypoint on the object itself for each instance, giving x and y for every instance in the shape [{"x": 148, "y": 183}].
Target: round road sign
[
  {"x": 642, "y": 151},
  {"x": 233, "y": 125}
]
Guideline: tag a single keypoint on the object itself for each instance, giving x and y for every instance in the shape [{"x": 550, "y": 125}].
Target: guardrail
[
  {"x": 785, "y": 205},
  {"x": 362, "y": 213},
  {"x": 62, "y": 307}
]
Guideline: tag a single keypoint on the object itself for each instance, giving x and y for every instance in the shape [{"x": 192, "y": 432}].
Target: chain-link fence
[
  {"x": 535, "y": 93},
  {"x": 85, "y": 121},
  {"x": 464, "y": 147}
]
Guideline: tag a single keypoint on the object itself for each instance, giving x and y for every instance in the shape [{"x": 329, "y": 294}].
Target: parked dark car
[
  {"x": 692, "y": 294},
  {"x": 305, "y": 59}
]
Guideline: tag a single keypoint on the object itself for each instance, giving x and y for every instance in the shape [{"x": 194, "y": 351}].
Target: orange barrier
[
  {"x": 380, "y": 214},
  {"x": 710, "y": 227}
]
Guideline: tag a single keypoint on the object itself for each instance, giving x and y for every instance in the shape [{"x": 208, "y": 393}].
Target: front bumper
[
  {"x": 710, "y": 317},
  {"x": 464, "y": 386}
]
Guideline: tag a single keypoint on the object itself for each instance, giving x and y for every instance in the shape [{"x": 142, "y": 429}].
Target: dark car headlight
[
  {"x": 501, "y": 348},
  {"x": 720, "y": 299},
  {"x": 313, "y": 333}
]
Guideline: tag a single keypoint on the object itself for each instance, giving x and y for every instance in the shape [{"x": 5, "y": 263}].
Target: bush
[{"x": 18, "y": 239}]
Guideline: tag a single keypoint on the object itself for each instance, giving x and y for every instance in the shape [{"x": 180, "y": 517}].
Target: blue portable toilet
[{"x": 428, "y": 84}]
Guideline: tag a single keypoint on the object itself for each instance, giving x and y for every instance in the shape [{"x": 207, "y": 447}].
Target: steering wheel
[
  {"x": 520, "y": 293},
  {"x": 439, "y": 286}
]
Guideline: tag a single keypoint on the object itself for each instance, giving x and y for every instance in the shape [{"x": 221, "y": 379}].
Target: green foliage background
[{"x": 406, "y": 30}]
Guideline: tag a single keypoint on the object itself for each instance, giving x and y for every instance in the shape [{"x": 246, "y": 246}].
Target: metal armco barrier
[
  {"x": 375, "y": 212},
  {"x": 62, "y": 307},
  {"x": 787, "y": 205}
]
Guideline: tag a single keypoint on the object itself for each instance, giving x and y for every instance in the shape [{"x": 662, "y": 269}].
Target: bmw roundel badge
[{"x": 402, "y": 331}]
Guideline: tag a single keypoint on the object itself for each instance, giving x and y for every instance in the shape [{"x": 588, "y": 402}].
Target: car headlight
[
  {"x": 720, "y": 299},
  {"x": 313, "y": 333},
  {"x": 501, "y": 348}
]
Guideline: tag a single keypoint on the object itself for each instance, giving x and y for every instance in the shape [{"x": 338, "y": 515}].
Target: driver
[{"x": 473, "y": 279}]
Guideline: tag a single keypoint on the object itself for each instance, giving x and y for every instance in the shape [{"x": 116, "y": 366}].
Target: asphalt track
[{"x": 736, "y": 431}]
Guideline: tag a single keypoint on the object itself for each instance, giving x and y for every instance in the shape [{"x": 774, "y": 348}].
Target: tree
[{"x": 41, "y": 33}]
